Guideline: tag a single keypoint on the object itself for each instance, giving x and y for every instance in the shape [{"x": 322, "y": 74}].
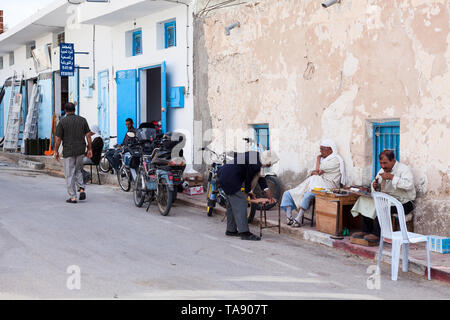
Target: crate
[
  {"x": 193, "y": 190},
  {"x": 439, "y": 244}
]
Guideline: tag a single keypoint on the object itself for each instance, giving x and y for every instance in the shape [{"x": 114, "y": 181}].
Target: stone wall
[{"x": 314, "y": 73}]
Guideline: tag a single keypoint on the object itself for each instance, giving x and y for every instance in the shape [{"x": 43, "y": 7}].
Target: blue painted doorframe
[
  {"x": 163, "y": 94},
  {"x": 103, "y": 103},
  {"x": 126, "y": 100},
  {"x": 74, "y": 89}
]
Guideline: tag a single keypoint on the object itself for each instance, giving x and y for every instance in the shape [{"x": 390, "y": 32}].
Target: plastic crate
[{"x": 439, "y": 244}]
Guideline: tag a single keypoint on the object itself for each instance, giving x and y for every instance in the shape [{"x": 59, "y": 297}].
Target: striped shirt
[{"x": 72, "y": 130}]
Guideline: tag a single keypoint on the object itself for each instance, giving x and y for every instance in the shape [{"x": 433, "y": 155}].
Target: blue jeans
[{"x": 287, "y": 201}]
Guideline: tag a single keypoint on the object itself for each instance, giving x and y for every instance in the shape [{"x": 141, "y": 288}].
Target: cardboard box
[
  {"x": 439, "y": 244},
  {"x": 193, "y": 190}
]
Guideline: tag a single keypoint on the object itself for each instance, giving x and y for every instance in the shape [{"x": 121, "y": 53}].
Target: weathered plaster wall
[{"x": 314, "y": 73}]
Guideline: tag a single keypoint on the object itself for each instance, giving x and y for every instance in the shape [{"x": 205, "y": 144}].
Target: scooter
[{"x": 159, "y": 176}]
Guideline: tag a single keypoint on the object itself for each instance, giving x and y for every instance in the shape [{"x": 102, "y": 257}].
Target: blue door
[
  {"x": 103, "y": 103},
  {"x": 45, "y": 108},
  {"x": 74, "y": 89},
  {"x": 386, "y": 136},
  {"x": 126, "y": 100}
]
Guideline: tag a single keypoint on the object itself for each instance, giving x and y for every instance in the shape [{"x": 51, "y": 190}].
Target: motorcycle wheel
[
  {"x": 139, "y": 191},
  {"x": 164, "y": 198},
  {"x": 275, "y": 189},
  {"x": 104, "y": 165},
  {"x": 123, "y": 176}
]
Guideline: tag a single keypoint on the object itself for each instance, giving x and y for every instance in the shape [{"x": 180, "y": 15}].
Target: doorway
[{"x": 152, "y": 95}]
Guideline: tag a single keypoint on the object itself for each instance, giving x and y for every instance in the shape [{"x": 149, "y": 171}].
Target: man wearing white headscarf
[{"x": 329, "y": 173}]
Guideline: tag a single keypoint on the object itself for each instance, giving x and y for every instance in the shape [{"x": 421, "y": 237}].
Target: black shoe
[
  {"x": 71, "y": 201},
  {"x": 249, "y": 236},
  {"x": 82, "y": 195},
  {"x": 232, "y": 234}
]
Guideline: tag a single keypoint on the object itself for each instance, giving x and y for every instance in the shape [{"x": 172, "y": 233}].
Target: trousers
[
  {"x": 237, "y": 213},
  {"x": 373, "y": 226},
  {"x": 73, "y": 174}
]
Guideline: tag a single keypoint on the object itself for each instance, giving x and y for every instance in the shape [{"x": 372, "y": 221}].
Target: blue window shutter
[
  {"x": 137, "y": 42},
  {"x": 170, "y": 34},
  {"x": 385, "y": 136},
  {"x": 262, "y": 135}
]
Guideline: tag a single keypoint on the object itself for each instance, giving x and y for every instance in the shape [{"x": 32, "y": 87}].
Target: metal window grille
[{"x": 386, "y": 136}]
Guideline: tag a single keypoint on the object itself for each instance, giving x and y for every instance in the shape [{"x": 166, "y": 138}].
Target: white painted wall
[{"x": 110, "y": 54}]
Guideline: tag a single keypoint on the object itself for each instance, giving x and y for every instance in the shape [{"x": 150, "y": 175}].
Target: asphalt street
[{"x": 106, "y": 248}]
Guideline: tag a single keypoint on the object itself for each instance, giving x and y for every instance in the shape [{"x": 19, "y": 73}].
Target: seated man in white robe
[
  {"x": 329, "y": 173},
  {"x": 395, "y": 179}
]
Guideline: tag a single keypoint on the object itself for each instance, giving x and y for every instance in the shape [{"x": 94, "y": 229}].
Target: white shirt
[{"x": 401, "y": 187}]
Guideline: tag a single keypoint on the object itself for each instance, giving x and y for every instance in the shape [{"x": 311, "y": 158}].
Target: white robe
[{"x": 331, "y": 178}]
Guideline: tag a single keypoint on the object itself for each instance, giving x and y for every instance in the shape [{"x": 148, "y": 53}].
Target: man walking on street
[{"x": 72, "y": 131}]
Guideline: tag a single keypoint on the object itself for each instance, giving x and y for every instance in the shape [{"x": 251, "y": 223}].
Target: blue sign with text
[{"x": 66, "y": 59}]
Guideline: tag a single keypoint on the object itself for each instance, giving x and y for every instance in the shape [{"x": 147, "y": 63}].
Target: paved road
[{"x": 123, "y": 252}]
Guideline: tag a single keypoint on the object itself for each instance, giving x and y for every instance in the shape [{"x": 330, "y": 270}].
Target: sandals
[
  {"x": 290, "y": 221},
  {"x": 296, "y": 224},
  {"x": 70, "y": 200}
]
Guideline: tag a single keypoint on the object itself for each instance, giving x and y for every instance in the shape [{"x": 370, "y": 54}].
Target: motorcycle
[
  {"x": 272, "y": 183},
  {"x": 214, "y": 193},
  {"x": 159, "y": 176}
]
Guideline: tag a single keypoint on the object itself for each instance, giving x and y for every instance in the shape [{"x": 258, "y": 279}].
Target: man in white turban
[{"x": 329, "y": 173}]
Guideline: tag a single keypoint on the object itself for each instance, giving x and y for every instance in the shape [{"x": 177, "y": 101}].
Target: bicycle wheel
[
  {"x": 139, "y": 192},
  {"x": 104, "y": 165},
  {"x": 123, "y": 176},
  {"x": 164, "y": 198}
]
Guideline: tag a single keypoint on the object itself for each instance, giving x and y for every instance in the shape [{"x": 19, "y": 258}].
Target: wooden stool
[{"x": 263, "y": 214}]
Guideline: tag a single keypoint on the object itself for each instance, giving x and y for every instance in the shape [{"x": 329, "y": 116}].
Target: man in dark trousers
[
  {"x": 72, "y": 130},
  {"x": 244, "y": 170},
  {"x": 113, "y": 156}
]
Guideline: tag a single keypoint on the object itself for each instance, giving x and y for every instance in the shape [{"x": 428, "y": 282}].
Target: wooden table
[
  {"x": 262, "y": 202},
  {"x": 329, "y": 211}
]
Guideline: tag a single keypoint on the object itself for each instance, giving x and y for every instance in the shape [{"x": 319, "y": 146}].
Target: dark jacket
[
  {"x": 97, "y": 148},
  {"x": 232, "y": 176},
  {"x": 127, "y": 140}
]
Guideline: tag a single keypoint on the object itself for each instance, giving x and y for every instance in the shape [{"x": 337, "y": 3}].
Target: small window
[
  {"x": 11, "y": 58},
  {"x": 30, "y": 47},
  {"x": 137, "y": 42},
  {"x": 262, "y": 136},
  {"x": 170, "y": 34},
  {"x": 61, "y": 38},
  {"x": 1, "y": 63},
  {"x": 386, "y": 136}
]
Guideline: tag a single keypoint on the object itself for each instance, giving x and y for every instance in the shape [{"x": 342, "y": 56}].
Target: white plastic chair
[{"x": 400, "y": 238}]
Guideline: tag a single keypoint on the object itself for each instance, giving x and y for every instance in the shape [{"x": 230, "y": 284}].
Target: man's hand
[
  {"x": 269, "y": 196},
  {"x": 56, "y": 154},
  {"x": 387, "y": 176},
  {"x": 315, "y": 173},
  {"x": 375, "y": 184},
  {"x": 89, "y": 153},
  {"x": 321, "y": 172},
  {"x": 252, "y": 196}
]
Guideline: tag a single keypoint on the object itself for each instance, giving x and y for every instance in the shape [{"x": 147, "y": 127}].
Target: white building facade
[{"x": 133, "y": 59}]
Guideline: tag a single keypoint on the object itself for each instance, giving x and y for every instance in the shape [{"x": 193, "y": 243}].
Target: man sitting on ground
[
  {"x": 395, "y": 179},
  {"x": 329, "y": 173}
]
